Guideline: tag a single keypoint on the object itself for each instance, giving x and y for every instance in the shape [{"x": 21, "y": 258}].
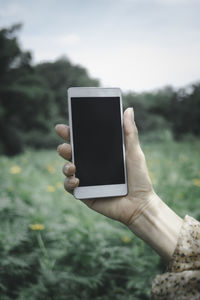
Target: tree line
[{"x": 33, "y": 98}]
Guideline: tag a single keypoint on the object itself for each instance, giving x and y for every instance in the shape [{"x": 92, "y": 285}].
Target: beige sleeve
[{"x": 182, "y": 279}]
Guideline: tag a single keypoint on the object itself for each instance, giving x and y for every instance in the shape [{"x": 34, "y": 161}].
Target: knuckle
[
  {"x": 59, "y": 147},
  {"x": 70, "y": 183},
  {"x": 67, "y": 185},
  {"x": 66, "y": 168},
  {"x": 67, "y": 148},
  {"x": 64, "y": 150},
  {"x": 69, "y": 169}
]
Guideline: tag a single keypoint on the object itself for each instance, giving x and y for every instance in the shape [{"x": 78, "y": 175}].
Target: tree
[
  {"x": 33, "y": 98},
  {"x": 61, "y": 75}
]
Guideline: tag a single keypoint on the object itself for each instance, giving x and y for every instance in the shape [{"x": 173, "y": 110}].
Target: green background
[{"x": 77, "y": 253}]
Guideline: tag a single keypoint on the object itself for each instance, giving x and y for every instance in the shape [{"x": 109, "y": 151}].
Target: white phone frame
[{"x": 97, "y": 191}]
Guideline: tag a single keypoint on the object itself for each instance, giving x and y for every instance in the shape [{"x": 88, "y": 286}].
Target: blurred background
[{"x": 52, "y": 247}]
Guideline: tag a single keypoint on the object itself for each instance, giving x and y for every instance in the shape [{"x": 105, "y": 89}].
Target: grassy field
[{"x": 54, "y": 247}]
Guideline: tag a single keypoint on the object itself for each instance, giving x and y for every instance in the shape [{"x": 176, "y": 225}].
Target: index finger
[{"x": 63, "y": 131}]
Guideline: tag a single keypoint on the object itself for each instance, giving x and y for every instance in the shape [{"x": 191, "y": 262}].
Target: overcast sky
[{"x": 133, "y": 44}]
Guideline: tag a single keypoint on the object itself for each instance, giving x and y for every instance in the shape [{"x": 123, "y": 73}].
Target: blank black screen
[{"x": 97, "y": 137}]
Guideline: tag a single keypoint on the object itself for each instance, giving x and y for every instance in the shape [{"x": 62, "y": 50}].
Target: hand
[
  {"x": 140, "y": 191},
  {"x": 141, "y": 210}
]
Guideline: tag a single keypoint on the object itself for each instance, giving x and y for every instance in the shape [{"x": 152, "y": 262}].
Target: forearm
[{"x": 159, "y": 226}]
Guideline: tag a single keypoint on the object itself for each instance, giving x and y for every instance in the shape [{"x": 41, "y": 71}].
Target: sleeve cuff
[{"x": 182, "y": 279}]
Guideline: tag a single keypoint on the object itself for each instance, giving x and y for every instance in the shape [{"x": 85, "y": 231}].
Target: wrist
[{"x": 157, "y": 225}]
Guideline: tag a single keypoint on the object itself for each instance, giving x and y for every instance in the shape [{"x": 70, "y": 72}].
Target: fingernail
[
  {"x": 131, "y": 114},
  {"x": 66, "y": 168}
]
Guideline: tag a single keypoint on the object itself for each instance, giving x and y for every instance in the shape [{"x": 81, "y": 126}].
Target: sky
[{"x": 136, "y": 45}]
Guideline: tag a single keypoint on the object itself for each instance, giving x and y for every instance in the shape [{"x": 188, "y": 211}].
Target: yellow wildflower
[
  {"x": 10, "y": 189},
  {"x": 59, "y": 184},
  {"x": 183, "y": 158},
  {"x": 37, "y": 226},
  {"x": 25, "y": 160},
  {"x": 196, "y": 182},
  {"x": 50, "y": 188},
  {"x": 126, "y": 239},
  {"x": 50, "y": 169},
  {"x": 15, "y": 169}
]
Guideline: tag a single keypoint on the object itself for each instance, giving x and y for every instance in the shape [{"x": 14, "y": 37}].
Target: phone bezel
[{"x": 100, "y": 191}]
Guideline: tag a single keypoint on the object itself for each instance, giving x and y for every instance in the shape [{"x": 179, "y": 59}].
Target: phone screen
[{"x": 97, "y": 139}]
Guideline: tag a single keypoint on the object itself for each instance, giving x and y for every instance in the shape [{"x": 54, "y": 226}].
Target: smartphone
[{"x": 97, "y": 141}]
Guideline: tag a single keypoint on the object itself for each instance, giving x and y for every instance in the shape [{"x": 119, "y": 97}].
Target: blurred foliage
[
  {"x": 54, "y": 247},
  {"x": 167, "y": 109},
  {"x": 33, "y": 98}
]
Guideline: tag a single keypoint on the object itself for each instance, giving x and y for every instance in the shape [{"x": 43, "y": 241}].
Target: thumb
[
  {"x": 138, "y": 177},
  {"x": 130, "y": 129}
]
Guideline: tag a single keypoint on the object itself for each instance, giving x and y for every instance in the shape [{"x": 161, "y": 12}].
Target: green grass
[{"x": 80, "y": 254}]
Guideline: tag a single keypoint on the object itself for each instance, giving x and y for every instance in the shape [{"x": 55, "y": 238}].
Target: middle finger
[{"x": 65, "y": 150}]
